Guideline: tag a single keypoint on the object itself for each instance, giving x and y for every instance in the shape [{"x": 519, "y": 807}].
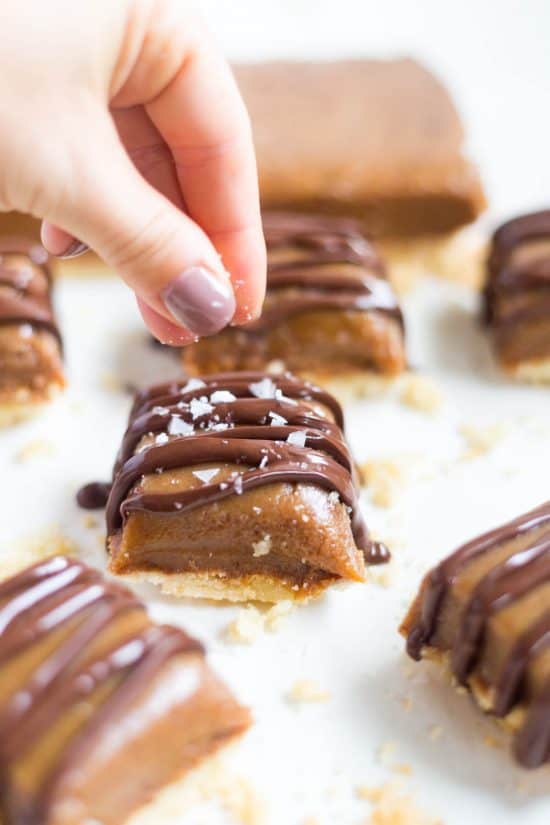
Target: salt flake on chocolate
[
  {"x": 265, "y": 388},
  {"x": 192, "y": 384},
  {"x": 206, "y": 475},
  {"x": 222, "y": 396},
  {"x": 199, "y": 407},
  {"x": 177, "y": 426},
  {"x": 276, "y": 419},
  {"x": 298, "y": 438}
]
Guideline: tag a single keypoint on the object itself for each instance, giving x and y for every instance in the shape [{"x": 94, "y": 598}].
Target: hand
[{"x": 121, "y": 126}]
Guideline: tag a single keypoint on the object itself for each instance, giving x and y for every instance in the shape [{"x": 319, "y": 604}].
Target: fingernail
[
  {"x": 200, "y": 301},
  {"x": 74, "y": 249}
]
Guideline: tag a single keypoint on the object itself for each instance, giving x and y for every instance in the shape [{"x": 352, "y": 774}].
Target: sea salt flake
[
  {"x": 199, "y": 407},
  {"x": 298, "y": 438},
  {"x": 219, "y": 427},
  {"x": 177, "y": 426},
  {"x": 276, "y": 419},
  {"x": 222, "y": 396},
  {"x": 262, "y": 547},
  {"x": 333, "y": 497},
  {"x": 238, "y": 485},
  {"x": 161, "y": 438},
  {"x": 192, "y": 384},
  {"x": 263, "y": 462},
  {"x": 263, "y": 389},
  {"x": 160, "y": 410},
  {"x": 206, "y": 475}
]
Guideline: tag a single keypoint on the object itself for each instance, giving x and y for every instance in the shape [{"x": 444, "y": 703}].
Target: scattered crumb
[
  {"x": 393, "y": 807},
  {"x": 384, "y": 478},
  {"x": 33, "y": 548},
  {"x": 492, "y": 741},
  {"x": 102, "y": 540},
  {"x": 246, "y": 626},
  {"x": 262, "y": 547},
  {"x": 276, "y": 616},
  {"x": 481, "y": 440},
  {"x": 89, "y": 521},
  {"x": 421, "y": 393},
  {"x": 242, "y": 802},
  {"x": 435, "y": 732},
  {"x": 306, "y": 690},
  {"x": 404, "y": 768},
  {"x": 382, "y": 575},
  {"x": 111, "y": 382},
  {"x": 37, "y": 448}
]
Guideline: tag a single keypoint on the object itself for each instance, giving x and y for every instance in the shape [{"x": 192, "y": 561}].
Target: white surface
[{"x": 306, "y": 761}]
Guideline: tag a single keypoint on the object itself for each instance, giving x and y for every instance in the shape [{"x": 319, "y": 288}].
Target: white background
[{"x": 306, "y": 761}]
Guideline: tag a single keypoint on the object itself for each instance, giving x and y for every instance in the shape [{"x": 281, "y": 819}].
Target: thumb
[{"x": 170, "y": 263}]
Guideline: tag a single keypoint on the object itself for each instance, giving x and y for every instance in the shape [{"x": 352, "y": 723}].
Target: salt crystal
[
  {"x": 199, "y": 407},
  {"x": 263, "y": 389},
  {"x": 206, "y": 475},
  {"x": 161, "y": 438},
  {"x": 219, "y": 427},
  {"x": 298, "y": 438},
  {"x": 160, "y": 410},
  {"x": 263, "y": 462},
  {"x": 192, "y": 384},
  {"x": 221, "y": 396},
  {"x": 333, "y": 497},
  {"x": 238, "y": 485},
  {"x": 177, "y": 426},
  {"x": 276, "y": 419},
  {"x": 262, "y": 547}
]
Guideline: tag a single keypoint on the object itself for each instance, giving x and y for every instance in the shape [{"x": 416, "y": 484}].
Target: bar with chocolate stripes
[
  {"x": 236, "y": 486},
  {"x": 517, "y": 296},
  {"x": 485, "y": 612},
  {"x": 31, "y": 368},
  {"x": 100, "y": 708},
  {"x": 330, "y": 313}
]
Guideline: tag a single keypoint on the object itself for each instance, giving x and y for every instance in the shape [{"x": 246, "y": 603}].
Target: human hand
[{"x": 121, "y": 127}]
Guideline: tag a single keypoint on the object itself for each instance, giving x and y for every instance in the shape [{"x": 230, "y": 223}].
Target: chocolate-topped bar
[
  {"x": 100, "y": 708},
  {"x": 31, "y": 368},
  {"x": 485, "y": 610},
  {"x": 330, "y": 312},
  {"x": 236, "y": 486},
  {"x": 517, "y": 296},
  {"x": 377, "y": 139}
]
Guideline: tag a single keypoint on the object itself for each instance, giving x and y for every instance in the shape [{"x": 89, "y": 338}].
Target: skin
[{"x": 121, "y": 126}]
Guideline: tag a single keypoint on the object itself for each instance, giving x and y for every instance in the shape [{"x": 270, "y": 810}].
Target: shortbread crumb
[
  {"x": 305, "y": 691},
  {"x": 246, "y": 626},
  {"x": 262, "y": 547},
  {"x": 111, "y": 382},
  {"x": 89, "y": 521},
  {"x": 37, "y": 448},
  {"x": 393, "y": 807},
  {"x": 277, "y": 615},
  {"x": 480, "y": 440},
  {"x": 421, "y": 393},
  {"x": 384, "y": 479}
]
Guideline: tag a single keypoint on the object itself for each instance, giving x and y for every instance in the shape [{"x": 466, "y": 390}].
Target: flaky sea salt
[
  {"x": 298, "y": 438},
  {"x": 238, "y": 485},
  {"x": 263, "y": 389},
  {"x": 199, "y": 407},
  {"x": 276, "y": 419},
  {"x": 161, "y": 438},
  {"x": 263, "y": 462},
  {"x": 177, "y": 426},
  {"x": 222, "y": 396},
  {"x": 333, "y": 497},
  {"x": 160, "y": 410},
  {"x": 192, "y": 384},
  {"x": 262, "y": 547},
  {"x": 206, "y": 475}
]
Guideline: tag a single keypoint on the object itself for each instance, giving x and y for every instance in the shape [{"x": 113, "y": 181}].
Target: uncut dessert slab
[{"x": 479, "y": 460}]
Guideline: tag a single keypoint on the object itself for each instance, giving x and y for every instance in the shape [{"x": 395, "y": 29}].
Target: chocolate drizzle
[
  {"x": 508, "y": 581},
  {"x": 271, "y": 426},
  {"x": 73, "y": 604},
  {"x": 25, "y": 288},
  {"x": 508, "y": 278},
  {"x": 328, "y": 264}
]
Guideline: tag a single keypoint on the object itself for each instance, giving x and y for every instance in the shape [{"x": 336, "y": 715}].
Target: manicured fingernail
[
  {"x": 74, "y": 249},
  {"x": 200, "y": 301}
]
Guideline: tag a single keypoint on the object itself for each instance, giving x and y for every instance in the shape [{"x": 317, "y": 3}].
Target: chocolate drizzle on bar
[
  {"x": 265, "y": 423},
  {"x": 508, "y": 581},
  {"x": 317, "y": 263},
  {"x": 73, "y": 605},
  {"x": 25, "y": 288},
  {"x": 511, "y": 273}
]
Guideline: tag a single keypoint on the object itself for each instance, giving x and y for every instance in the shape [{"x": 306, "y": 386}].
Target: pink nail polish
[
  {"x": 200, "y": 301},
  {"x": 74, "y": 249}
]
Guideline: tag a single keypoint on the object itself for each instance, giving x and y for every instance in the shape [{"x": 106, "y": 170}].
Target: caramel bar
[
  {"x": 379, "y": 140},
  {"x": 100, "y": 708},
  {"x": 236, "y": 486},
  {"x": 330, "y": 314},
  {"x": 517, "y": 296},
  {"x": 485, "y": 611},
  {"x": 31, "y": 369}
]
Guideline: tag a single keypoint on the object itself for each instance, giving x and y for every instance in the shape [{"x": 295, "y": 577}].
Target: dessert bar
[
  {"x": 31, "y": 368},
  {"x": 237, "y": 486},
  {"x": 330, "y": 313},
  {"x": 100, "y": 708},
  {"x": 517, "y": 296},
  {"x": 484, "y": 611}
]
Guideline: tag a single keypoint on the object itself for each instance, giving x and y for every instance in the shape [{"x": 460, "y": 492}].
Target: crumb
[
  {"x": 241, "y": 801},
  {"x": 393, "y": 807},
  {"x": 421, "y": 393},
  {"x": 262, "y": 547},
  {"x": 481, "y": 440},
  {"x": 403, "y": 768},
  {"x": 246, "y": 626},
  {"x": 89, "y": 521},
  {"x": 34, "y": 548},
  {"x": 37, "y": 448},
  {"x": 383, "y": 575},
  {"x": 111, "y": 382},
  {"x": 306, "y": 690},
  {"x": 384, "y": 478},
  {"x": 102, "y": 540},
  {"x": 492, "y": 742},
  {"x": 276, "y": 615}
]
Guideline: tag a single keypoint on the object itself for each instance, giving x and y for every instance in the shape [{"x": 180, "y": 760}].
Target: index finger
[{"x": 201, "y": 116}]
